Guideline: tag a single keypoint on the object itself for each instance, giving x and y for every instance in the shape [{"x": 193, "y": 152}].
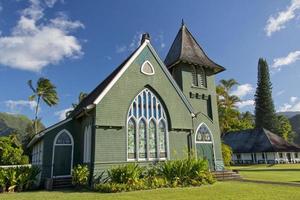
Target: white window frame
[
  {"x": 87, "y": 144},
  {"x": 37, "y": 153},
  {"x": 145, "y": 116},
  {"x": 144, "y": 72},
  {"x": 205, "y": 142}
]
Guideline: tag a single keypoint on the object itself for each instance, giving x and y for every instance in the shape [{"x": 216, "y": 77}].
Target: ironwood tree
[{"x": 265, "y": 115}]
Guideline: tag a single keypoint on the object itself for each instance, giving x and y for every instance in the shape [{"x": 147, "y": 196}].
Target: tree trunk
[{"x": 36, "y": 115}]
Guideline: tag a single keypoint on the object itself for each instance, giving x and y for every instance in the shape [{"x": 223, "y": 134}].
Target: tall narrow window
[
  {"x": 152, "y": 140},
  {"x": 194, "y": 75},
  {"x": 201, "y": 77},
  {"x": 162, "y": 140},
  {"x": 146, "y": 128},
  {"x": 87, "y": 144},
  {"x": 131, "y": 148},
  {"x": 142, "y": 140}
]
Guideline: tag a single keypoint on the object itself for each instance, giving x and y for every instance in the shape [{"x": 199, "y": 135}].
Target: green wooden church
[{"x": 147, "y": 110}]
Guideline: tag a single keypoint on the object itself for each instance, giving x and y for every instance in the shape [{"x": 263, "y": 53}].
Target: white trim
[
  {"x": 47, "y": 130},
  {"x": 53, "y": 151},
  {"x": 121, "y": 72},
  {"x": 147, "y": 119},
  {"x": 87, "y": 144},
  {"x": 143, "y": 71},
  {"x": 164, "y": 68},
  {"x": 212, "y": 142}
]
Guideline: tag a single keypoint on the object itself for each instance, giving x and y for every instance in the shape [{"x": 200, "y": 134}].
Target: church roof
[
  {"x": 257, "y": 140},
  {"x": 90, "y": 98},
  {"x": 186, "y": 49},
  {"x": 93, "y": 96}
]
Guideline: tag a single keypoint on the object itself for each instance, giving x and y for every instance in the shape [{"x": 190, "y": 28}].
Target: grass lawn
[
  {"x": 278, "y": 173},
  {"x": 219, "y": 191}
]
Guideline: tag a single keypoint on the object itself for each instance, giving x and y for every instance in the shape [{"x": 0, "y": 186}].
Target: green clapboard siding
[{"x": 109, "y": 119}]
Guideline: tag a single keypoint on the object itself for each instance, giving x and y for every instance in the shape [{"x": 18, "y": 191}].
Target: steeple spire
[{"x": 186, "y": 49}]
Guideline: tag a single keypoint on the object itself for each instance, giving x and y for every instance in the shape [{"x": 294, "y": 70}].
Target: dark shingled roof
[
  {"x": 257, "y": 140},
  {"x": 186, "y": 49},
  {"x": 92, "y": 96}
]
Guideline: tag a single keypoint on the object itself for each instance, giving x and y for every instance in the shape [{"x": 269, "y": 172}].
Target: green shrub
[
  {"x": 26, "y": 177},
  {"x": 184, "y": 172},
  {"x": 20, "y": 178},
  {"x": 127, "y": 174},
  {"x": 227, "y": 154},
  {"x": 174, "y": 173},
  {"x": 80, "y": 176},
  {"x": 2, "y": 180},
  {"x": 11, "y": 151}
]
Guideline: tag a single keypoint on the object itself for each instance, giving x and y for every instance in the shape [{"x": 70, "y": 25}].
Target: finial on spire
[
  {"x": 145, "y": 36},
  {"x": 182, "y": 22}
]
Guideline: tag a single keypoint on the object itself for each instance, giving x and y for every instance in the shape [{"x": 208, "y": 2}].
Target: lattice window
[
  {"x": 203, "y": 134},
  {"x": 63, "y": 138},
  {"x": 199, "y": 77},
  {"x": 146, "y": 128}
]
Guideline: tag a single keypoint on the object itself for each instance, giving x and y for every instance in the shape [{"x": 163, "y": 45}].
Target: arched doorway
[
  {"x": 204, "y": 145},
  {"x": 62, "y": 157}
]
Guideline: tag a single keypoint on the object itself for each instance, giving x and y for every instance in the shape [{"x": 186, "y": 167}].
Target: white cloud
[
  {"x": 16, "y": 106},
  {"x": 121, "y": 49},
  {"x": 293, "y": 99},
  {"x": 293, "y": 105},
  {"x": 62, "y": 113},
  {"x": 245, "y": 103},
  {"x": 243, "y": 90},
  {"x": 291, "y": 58},
  {"x": 277, "y": 23},
  {"x": 280, "y": 92},
  {"x": 157, "y": 40},
  {"x": 135, "y": 42},
  {"x": 32, "y": 44}
]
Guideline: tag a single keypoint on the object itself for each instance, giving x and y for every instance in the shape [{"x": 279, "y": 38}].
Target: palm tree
[
  {"x": 44, "y": 91},
  {"x": 223, "y": 92},
  {"x": 226, "y": 103}
]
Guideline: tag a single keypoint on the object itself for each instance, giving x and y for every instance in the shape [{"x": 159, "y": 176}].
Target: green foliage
[
  {"x": 20, "y": 178},
  {"x": 265, "y": 116},
  {"x": 229, "y": 116},
  {"x": 11, "y": 152},
  {"x": 44, "y": 90},
  {"x": 126, "y": 173},
  {"x": 175, "y": 173},
  {"x": 80, "y": 176},
  {"x": 227, "y": 154},
  {"x": 284, "y": 128},
  {"x": 295, "y": 122},
  {"x": 183, "y": 172}
]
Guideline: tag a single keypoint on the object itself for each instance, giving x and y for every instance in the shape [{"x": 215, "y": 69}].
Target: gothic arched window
[
  {"x": 203, "y": 134},
  {"x": 146, "y": 128}
]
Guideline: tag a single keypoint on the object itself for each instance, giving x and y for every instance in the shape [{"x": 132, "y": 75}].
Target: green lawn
[
  {"x": 219, "y": 191},
  {"x": 278, "y": 173}
]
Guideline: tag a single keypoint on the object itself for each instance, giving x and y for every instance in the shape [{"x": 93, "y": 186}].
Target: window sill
[
  {"x": 146, "y": 160},
  {"x": 199, "y": 87}
]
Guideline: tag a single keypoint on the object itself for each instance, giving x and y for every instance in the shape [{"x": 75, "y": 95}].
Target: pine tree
[{"x": 265, "y": 116}]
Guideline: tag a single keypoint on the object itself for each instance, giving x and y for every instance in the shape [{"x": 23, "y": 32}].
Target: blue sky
[{"x": 77, "y": 44}]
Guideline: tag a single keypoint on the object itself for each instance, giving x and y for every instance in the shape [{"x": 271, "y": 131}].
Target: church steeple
[{"x": 186, "y": 49}]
